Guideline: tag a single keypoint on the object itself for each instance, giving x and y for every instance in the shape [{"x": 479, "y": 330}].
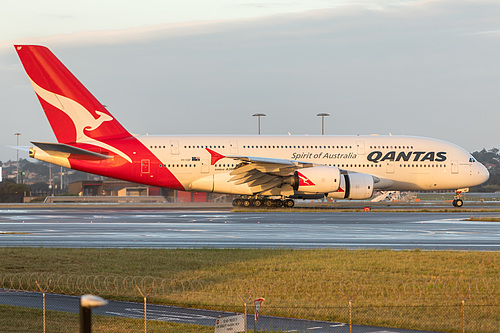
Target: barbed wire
[{"x": 414, "y": 289}]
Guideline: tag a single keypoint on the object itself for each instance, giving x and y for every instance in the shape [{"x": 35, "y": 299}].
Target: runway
[{"x": 156, "y": 228}]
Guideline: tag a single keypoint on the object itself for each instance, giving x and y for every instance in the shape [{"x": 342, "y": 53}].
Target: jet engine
[
  {"x": 356, "y": 186},
  {"x": 315, "y": 180}
]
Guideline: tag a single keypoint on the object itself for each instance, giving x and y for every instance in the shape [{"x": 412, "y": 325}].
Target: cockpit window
[{"x": 472, "y": 160}]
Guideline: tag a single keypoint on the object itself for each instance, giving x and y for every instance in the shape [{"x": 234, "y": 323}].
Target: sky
[{"x": 420, "y": 67}]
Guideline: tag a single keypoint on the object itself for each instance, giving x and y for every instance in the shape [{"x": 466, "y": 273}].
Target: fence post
[
  {"x": 43, "y": 291},
  {"x": 463, "y": 298},
  {"x": 145, "y": 297},
  {"x": 350, "y": 300},
  {"x": 245, "y": 304}
]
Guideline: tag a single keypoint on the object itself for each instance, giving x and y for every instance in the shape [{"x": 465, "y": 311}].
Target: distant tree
[
  {"x": 491, "y": 158},
  {"x": 39, "y": 187},
  {"x": 10, "y": 186},
  {"x": 488, "y": 157},
  {"x": 41, "y": 168}
]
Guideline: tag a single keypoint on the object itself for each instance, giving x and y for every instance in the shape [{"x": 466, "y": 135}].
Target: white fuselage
[{"x": 397, "y": 162}]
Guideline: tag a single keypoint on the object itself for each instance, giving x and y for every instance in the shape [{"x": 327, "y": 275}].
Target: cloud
[{"x": 420, "y": 69}]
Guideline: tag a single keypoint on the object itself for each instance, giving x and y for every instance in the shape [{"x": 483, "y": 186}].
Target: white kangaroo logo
[
  {"x": 97, "y": 122},
  {"x": 81, "y": 117}
]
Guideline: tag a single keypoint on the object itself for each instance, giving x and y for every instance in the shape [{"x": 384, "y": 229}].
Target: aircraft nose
[{"x": 482, "y": 173}]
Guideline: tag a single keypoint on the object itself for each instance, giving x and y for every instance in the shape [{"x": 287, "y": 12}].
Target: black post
[
  {"x": 87, "y": 302},
  {"x": 85, "y": 320}
]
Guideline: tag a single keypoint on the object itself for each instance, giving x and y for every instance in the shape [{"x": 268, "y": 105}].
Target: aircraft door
[
  {"x": 454, "y": 167},
  {"x": 205, "y": 164},
  {"x": 174, "y": 147},
  {"x": 145, "y": 166},
  {"x": 233, "y": 145},
  {"x": 390, "y": 167},
  {"x": 361, "y": 147}
]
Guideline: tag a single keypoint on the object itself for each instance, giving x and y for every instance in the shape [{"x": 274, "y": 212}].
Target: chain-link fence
[{"x": 431, "y": 305}]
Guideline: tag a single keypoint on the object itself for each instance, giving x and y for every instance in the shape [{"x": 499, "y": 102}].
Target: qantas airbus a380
[{"x": 264, "y": 170}]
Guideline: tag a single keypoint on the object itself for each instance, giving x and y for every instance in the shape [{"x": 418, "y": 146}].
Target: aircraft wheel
[
  {"x": 278, "y": 203},
  {"x": 458, "y": 203},
  {"x": 268, "y": 203},
  {"x": 257, "y": 202},
  {"x": 454, "y": 203},
  {"x": 246, "y": 203},
  {"x": 236, "y": 202},
  {"x": 289, "y": 203}
]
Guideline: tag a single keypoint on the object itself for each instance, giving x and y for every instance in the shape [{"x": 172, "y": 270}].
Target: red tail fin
[{"x": 73, "y": 112}]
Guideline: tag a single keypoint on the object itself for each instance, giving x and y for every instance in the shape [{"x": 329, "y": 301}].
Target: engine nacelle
[
  {"x": 314, "y": 180},
  {"x": 356, "y": 186}
]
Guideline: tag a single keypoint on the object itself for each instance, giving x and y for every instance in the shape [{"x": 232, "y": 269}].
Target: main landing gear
[{"x": 263, "y": 203}]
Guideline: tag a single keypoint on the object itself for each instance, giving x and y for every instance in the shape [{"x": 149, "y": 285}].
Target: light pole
[
  {"x": 17, "y": 151},
  {"x": 323, "y": 115},
  {"x": 50, "y": 179},
  {"x": 259, "y": 115}
]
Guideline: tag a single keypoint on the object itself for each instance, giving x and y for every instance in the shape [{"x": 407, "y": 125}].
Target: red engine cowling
[
  {"x": 314, "y": 180},
  {"x": 356, "y": 186}
]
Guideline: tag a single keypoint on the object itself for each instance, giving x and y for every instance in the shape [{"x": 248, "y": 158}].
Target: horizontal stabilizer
[
  {"x": 49, "y": 147},
  {"x": 21, "y": 148}
]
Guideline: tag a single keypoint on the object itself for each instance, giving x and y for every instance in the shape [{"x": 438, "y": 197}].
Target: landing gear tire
[
  {"x": 236, "y": 202},
  {"x": 278, "y": 203},
  {"x": 457, "y": 199},
  {"x": 268, "y": 203},
  {"x": 289, "y": 203},
  {"x": 257, "y": 203},
  {"x": 246, "y": 203}
]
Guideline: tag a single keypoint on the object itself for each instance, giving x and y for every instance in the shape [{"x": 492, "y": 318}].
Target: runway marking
[{"x": 122, "y": 314}]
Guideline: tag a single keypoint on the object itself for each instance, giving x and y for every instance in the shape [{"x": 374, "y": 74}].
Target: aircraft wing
[
  {"x": 262, "y": 174},
  {"x": 61, "y": 148}
]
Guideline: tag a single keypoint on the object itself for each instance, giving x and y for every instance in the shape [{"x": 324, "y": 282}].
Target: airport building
[{"x": 119, "y": 188}]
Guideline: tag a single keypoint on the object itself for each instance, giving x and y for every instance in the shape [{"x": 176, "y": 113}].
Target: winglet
[{"x": 215, "y": 156}]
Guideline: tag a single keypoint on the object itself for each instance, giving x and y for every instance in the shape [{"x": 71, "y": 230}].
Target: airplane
[{"x": 269, "y": 171}]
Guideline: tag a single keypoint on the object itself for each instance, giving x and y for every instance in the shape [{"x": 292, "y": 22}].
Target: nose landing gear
[{"x": 457, "y": 199}]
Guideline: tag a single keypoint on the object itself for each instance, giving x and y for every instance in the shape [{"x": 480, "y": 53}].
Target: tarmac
[{"x": 214, "y": 227}]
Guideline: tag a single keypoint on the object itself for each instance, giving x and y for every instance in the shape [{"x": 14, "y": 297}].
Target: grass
[
  {"x": 484, "y": 219},
  {"x": 412, "y": 289},
  {"x": 14, "y": 233}
]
